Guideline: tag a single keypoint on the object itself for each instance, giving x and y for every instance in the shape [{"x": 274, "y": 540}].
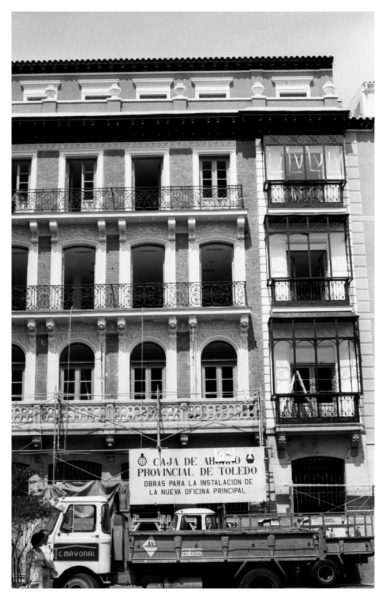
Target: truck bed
[{"x": 263, "y": 544}]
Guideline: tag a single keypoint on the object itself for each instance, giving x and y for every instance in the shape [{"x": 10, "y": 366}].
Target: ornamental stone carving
[
  {"x": 257, "y": 89},
  {"x": 329, "y": 88},
  {"x": 115, "y": 91},
  {"x": 180, "y": 90}
]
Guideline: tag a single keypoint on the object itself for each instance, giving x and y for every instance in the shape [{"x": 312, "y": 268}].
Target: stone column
[
  {"x": 30, "y": 362},
  {"x": 171, "y": 360},
  {"x": 52, "y": 361},
  {"x": 123, "y": 362},
  {"x": 243, "y": 359}
]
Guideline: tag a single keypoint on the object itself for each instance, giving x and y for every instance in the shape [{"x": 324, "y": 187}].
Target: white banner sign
[{"x": 197, "y": 475}]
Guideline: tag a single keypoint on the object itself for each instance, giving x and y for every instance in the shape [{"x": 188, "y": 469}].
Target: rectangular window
[
  {"x": 218, "y": 381},
  {"x": 293, "y": 95},
  {"x": 153, "y": 96},
  {"x": 213, "y": 95},
  {"x": 77, "y": 383},
  {"x": 21, "y": 170},
  {"x": 304, "y": 163},
  {"x": 17, "y": 382},
  {"x": 313, "y": 378},
  {"x": 81, "y": 182},
  {"x": 214, "y": 177},
  {"x": 148, "y": 382}
]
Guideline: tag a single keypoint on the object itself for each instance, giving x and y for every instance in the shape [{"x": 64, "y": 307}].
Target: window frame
[
  {"x": 294, "y": 85},
  {"x": 293, "y": 339},
  {"x": 91, "y": 90},
  {"x": 152, "y": 87},
  {"x": 285, "y": 178},
  {"x": 212, "y": 86},
  {"x": 34, "y": 91}
]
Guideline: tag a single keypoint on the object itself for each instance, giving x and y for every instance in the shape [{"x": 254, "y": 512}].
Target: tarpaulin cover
[{"x": 62, "y": 489}]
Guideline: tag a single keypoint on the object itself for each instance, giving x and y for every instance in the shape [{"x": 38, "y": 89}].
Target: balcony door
[
  {"x": 81, "y": 183},
  {"x": 19, "y": 278},
  {"x": 148, "y": 275},
  {"x": 78, "y": 278},
  {"x": 147, "y": 182},
  {"x": 308, "y": 270},
  {"x": 216, "y": 274},
  {"x": 214, "y": 177}
]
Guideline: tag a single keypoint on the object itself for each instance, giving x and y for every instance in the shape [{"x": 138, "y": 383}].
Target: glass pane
[
  {"x": 314, "y": 162},
  {"x": 84, "y": 518},
  {"x": 69, "y": 384},
  {"x": 302, "y": 378},
  {"x": 325, "y": 378},
  {"x": 139, "y": 383},
  {"x": 334, "y": 162},
  {"x": 275, "y": 162},
  {"x": 295, "y": 162}
]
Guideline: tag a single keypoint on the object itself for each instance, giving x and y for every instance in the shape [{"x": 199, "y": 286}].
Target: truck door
[{"x": 78, "y": 538}]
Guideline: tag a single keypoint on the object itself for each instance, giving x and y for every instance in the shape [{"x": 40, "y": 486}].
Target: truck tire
[
  {"x": 325, "y": 573},
  {"x": 260, "y": 578},
  {"x": 81, "y": 580}
]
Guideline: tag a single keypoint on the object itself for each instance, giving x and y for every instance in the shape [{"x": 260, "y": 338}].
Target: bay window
[{"x": 316, "y": 367}]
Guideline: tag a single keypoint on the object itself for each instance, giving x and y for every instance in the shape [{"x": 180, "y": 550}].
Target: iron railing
[
  {"x": 310, "y": 289},
  {"x": 122, "y": 199},
  {"x": 327, "y": 407},
  {"x": 124, "y": 296},
  {"x": 296, "y": 194}
]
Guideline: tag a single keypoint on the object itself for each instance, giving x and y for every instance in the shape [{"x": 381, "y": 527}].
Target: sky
[{"x": 347, "y": 36}]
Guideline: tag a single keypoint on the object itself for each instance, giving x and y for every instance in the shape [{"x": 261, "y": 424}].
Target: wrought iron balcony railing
[
  {"x": 323, "y": 407},
  {"x": 317, "y": 290},
  {"x": 299, "y": 194},
  {"x": 120, "y": 199},
  {"x": 122, "y": 296},
  {"x": 116, "y": 413}
]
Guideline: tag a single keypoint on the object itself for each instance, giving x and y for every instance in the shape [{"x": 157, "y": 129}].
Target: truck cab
[
  {"x": 81, "y": 541},
  {"x": 198, "y": 519}
]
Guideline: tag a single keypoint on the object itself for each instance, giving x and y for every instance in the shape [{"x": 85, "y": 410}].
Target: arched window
[
  {"x": 18, "y": 368},
  {"x": 318, "y": 484},
  {"x": 76, "y": 470},
  {"x": 79, "y": 266},
  {"x": 76, "y": 372},
  {"x": 218, "y": 363},
  {"x": 147, "y": 371}
]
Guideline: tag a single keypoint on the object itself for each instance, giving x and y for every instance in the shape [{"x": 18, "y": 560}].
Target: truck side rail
[
  {"x": 336, "y": 525},
  {"x": 262, "y": 544}
]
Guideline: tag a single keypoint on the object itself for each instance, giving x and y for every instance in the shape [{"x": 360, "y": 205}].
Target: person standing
[
  {"x": 49, "y": 571},
  {"x": 35, "y": 560}
]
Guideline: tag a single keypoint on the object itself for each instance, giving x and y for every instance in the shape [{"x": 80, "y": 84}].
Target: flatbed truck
[{"x": 93, "y": 549}]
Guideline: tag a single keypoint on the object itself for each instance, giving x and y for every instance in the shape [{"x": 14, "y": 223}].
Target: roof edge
[{"x": 97, "y": 65}]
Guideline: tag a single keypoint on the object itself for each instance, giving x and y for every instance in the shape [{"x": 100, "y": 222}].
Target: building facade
[{"x": 192, "y": 247}]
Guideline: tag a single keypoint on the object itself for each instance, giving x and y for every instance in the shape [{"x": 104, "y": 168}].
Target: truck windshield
[{"x": 49, "y": 522}]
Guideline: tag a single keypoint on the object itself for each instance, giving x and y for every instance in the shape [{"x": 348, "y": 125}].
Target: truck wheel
[
  {"x": 81, "y": 580},
  {"x": 325, "y": 573},
  {"x": 260, "y": 578}
]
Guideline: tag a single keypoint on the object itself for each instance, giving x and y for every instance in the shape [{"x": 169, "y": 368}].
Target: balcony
[
  {"x": 310, "y": 290},
  {"x": 122, "y": 296},
  {"x": 117, "y": 199},
  {"x": 122, "y": 414},
  {"x": 317, "y": 408},
  {"x": 305, "y": 194}
]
